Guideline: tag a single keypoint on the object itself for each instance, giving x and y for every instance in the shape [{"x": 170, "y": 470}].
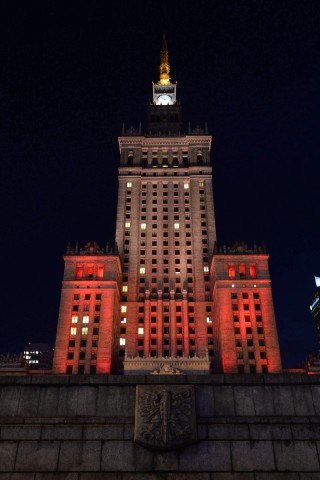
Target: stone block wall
[{"x": 254, "y": 427}]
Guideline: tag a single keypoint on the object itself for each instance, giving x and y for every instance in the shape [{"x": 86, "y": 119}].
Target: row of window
[
  {"x": 89, "y": 271},
  {"x": 153, "y": 308},
  {"x": 85, "y": 319},
  {"x": 82, "y": 355},
  {"x": 242, "y": 270},
  {"x": 83, "y": 343},
  {"x": 165, "y": 341},
  {"x": 245, "y": 296},
  {"x": 86, "y": 308},
  {"x": 251, "y": 355},
  {"x": 87, "y": 296},
  {"x": 84, "y": 331},
  {"x": 164, "y": 185},
  {"x": 160, "y": 174},
  {"x": 248, "y": 330},
  {"x": 166, "y": 319}
]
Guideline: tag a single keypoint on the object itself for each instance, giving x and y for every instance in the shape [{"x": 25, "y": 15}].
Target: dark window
[
  {"x": 71, "y": 343},
  {"x": 81, "y": 369},
  {"x": 70, "y": 355},
  {"x": 82, "y": 355},
  {"x": 69, "y": 370},
  {"x": 263, "y": 355}
]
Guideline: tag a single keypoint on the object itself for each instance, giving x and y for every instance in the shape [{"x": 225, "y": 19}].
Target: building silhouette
[
  {"x": 315, "y": 311},
  {"x": 168, "y": 297}
]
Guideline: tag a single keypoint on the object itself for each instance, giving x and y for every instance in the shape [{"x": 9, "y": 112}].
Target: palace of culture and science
[{"x": 168, "y": 299}]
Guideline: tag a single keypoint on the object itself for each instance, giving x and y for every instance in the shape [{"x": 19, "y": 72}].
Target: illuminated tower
[
  {"x": 166, "y": 232},
  {"x": 171, "y": 298},
  {"x": 88, "y": 324}
]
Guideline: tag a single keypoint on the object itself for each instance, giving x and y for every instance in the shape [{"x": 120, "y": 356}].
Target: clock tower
[{"x": 164, "y": 112}]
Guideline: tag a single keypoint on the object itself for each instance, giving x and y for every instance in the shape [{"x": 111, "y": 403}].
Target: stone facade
[{"x": 254, "y": 427}]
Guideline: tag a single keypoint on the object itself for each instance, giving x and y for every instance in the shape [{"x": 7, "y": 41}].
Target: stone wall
[{"x": 254, "y": 427}]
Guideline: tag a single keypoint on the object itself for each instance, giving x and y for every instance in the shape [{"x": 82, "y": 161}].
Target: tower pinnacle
[{"x": 164, "y": 64}]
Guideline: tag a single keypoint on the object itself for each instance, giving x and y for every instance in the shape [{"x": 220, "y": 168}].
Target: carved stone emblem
[{"x": 165, "y": 416}]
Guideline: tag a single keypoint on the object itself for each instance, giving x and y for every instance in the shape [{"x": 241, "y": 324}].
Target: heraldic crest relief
[{"x": 165, "y": 416}]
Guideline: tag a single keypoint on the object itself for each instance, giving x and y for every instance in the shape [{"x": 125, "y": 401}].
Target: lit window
[
  {"x": 206, "y": 268},
  {"x": 74, "y": 319},
  {"x": 100, "y": 271},
  {"x": 209, "y": 320},
  {"x": 122, "y": 341},
  {"x": 85, "y": 319},
  {"x": 123, "y": 308},
  {"x": 129, "y": 184},
  {"x": 143, "y": 226},
  {"x": 123, "y": 320},
  {"x": 142, "y": 270},
  {"x": 140, "y": 331},
  {"x": 176, "y": 226},
  {"x": 253, "y": 271},
  {"x": 201, "y": 184},
  {"x": 186, "y": 186},
  {"x": 127, "y": 224},
  {"x": 73, "y": 331},
  {"x": 232, "y": 271},
  {"x": 84, "y": 331},
  {"x": 242, "y": 270},
  {"x": 125, "y": 288}
]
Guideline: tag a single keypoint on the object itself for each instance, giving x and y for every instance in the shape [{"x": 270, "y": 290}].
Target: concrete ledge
[{"x": 216, "y": 379}]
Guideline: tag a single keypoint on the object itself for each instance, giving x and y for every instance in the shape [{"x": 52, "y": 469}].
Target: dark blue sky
[{"x": 73, "y": 72}]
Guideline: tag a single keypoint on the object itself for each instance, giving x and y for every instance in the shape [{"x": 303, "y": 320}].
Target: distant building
[
  {"x": 38, "y": 356},
  {"x": 315, "y": 310},
  {"x": 12, "y": 364}
]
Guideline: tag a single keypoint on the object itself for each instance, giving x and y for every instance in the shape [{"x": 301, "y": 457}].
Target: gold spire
[{"x": 164, "y": 64}]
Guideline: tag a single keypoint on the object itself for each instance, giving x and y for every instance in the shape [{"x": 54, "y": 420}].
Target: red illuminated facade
[
  {"x": 88, "y": 326},
  {"x": 170, "y": 294}
]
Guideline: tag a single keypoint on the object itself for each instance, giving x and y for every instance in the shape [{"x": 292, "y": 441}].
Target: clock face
[{"x": 164, "y": 100}]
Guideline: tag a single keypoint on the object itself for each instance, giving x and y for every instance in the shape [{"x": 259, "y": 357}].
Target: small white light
[
  {"x": 233, "y": 285},
  {"x": 255, "y": 286}
]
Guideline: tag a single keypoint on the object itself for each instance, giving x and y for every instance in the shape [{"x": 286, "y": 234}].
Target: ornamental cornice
[{"x": 159, "y": 142}]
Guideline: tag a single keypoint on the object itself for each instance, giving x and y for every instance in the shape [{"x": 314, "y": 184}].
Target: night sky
[{"x": 74, "y": 71}]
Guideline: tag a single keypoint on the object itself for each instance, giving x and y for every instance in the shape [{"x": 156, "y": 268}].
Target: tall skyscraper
[{"x": 184, "y": 303}]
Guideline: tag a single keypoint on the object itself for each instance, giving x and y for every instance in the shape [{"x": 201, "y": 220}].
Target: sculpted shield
[{"x": 165, "y": 416}]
